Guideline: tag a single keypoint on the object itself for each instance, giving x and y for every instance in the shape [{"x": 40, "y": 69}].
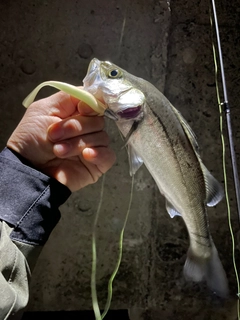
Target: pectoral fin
[
  {"x": 171, "y": 210},
  {"x": 135, "y": 161}
]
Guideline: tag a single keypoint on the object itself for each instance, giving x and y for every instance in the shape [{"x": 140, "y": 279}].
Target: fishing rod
[{"x": 226, "y": 107}]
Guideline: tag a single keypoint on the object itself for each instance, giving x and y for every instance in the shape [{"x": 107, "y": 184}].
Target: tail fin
[{"x": 207, "y": 269}]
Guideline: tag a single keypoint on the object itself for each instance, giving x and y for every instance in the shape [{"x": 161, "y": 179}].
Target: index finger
[{"x": 60, "y": 104}]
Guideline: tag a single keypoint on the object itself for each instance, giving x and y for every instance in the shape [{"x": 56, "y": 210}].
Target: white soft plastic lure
[{"x": 74, "y": 91}]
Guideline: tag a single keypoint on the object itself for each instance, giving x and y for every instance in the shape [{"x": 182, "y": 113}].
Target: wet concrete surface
[{"x": 169, "y": 44}]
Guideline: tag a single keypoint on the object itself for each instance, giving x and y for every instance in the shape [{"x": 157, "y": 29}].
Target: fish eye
[{"x": 115, "y": 73}]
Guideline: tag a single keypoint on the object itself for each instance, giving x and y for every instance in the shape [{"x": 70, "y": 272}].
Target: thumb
[{"x": 85, "y": 110}]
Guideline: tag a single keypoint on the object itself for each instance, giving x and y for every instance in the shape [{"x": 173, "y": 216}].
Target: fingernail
[
  {"x": 89, "y": 153},
  {"x": 61, "y": 149},
  {"x": 56, "y": 133}
]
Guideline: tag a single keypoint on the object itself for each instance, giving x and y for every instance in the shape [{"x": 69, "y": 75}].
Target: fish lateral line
[
  {"x": 202, "y": 244},
  {"x": 199, "y": 235}
]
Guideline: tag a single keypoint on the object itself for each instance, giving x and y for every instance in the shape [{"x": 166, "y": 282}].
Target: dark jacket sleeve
[{"x": 29, "y": 202}]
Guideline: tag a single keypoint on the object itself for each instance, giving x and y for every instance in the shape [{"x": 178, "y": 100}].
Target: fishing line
[
  {"x": 95, "y": 303},
  {"x": 107, "y": 306},
  {"x": 94, "y": 257},
  {"x": 223, "y": 142}
]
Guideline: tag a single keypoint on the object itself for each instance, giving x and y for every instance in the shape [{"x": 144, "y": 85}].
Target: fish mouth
[
  {"x": 121, "y": 99},
  {"x": 130, "y": 113}
]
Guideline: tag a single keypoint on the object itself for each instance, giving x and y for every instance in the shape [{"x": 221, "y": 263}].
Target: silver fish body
[{"x": 160, "y": 137}]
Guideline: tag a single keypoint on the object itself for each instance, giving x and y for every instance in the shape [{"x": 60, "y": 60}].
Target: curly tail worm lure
[{"x": 74, "y": 91}]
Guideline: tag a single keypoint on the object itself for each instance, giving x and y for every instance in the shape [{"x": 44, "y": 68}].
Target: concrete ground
[{"x": 168, "y": 43}]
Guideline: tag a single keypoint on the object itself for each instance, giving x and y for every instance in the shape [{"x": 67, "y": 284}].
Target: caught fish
[{"x": 158, "y": 136}]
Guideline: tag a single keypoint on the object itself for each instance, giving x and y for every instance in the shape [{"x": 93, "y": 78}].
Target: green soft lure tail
[{"x": 75, "y": 92}]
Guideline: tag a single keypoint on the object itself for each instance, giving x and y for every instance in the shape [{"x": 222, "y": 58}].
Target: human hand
[{"x": 64, "y": 139}]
